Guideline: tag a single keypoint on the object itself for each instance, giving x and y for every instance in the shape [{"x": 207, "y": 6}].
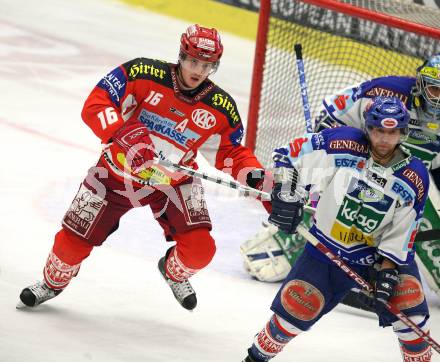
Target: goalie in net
[{"x": 269, "y": 255}]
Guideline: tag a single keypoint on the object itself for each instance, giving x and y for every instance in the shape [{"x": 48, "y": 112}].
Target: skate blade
[{"x": 21, "y": 305}]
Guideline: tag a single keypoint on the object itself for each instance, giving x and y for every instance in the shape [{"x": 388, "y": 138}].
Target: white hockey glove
[{"x": 263, "y": 258}]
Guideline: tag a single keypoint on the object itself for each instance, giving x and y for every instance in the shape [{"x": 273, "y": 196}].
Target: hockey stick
[
  {"x": 245, "y": 190},
  {"x": 364, "y": 284},
  {"x": 303, "y": 86},
  {"x": 248, "y": 191},
  {"x": 425, "y": 235},
  {"x": 428, "y": 235}
]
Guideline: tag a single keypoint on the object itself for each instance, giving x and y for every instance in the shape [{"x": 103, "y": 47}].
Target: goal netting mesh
[{"x": 339, "y": 50}]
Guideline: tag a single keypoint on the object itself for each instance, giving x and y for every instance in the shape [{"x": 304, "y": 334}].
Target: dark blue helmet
[{"x": 386, "y": 112}]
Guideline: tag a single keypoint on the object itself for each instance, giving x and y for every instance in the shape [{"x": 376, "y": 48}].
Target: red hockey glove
[
  {"x": 134, "y": 141},
  {"x": 261, "y": 180}
]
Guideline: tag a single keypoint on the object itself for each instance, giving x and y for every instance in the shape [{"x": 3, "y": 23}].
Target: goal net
[{"x": 344, "y": 43}]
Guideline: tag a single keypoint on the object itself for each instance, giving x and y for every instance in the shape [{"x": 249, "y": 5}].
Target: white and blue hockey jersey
[
  {"x": 364, "y": 209},
  {"x": 347, "y": 106}
]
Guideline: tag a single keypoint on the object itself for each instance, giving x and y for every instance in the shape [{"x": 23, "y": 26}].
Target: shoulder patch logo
[
  {"x": 144, "y": 70},
  {"x": 341, "y": 101},
  {"x": 228, "y": 107},
  {"x": 296, "y": 145},
  {"x": 416, "y": 180},
  {"x": 203, "y": 118},
  {"x": 384, "y": 92}
]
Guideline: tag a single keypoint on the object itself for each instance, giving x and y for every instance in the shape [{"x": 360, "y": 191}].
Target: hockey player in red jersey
[{"x": 141, "y": 110}]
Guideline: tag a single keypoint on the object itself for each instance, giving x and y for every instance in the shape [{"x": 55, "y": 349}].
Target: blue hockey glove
[
  {"x": 387, "y": 279},
  {"x": 287, "y": 208}
]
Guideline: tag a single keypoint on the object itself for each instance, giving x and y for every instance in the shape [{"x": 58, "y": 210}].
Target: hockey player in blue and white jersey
[
  {"x": 372, "y": 194},
  {"x": 421, "y": 95}
]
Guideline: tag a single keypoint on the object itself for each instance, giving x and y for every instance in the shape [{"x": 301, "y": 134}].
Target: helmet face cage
[
  {"x": 427, "y": 96},
  {"x": 387, "y": 113},
  {"x": 201, "y": 43}
]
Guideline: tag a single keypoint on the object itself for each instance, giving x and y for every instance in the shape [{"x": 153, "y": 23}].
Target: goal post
[{"x": 344, "y": 43}]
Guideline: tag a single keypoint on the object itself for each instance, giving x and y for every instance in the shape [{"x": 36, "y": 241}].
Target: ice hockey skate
[
  {"x": 36, "y": 294},
  {"x": 248, "y": 357},
  {"x": 183, "y": 291}
]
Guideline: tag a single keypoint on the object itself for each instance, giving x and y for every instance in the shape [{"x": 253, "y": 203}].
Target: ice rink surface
[{"x": 52, "y": 53}]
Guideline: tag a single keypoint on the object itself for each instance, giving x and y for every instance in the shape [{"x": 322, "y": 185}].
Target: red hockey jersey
[{"x": 180, "y": 124}]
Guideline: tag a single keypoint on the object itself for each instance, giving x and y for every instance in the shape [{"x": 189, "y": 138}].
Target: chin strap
[{"x": 388, "y": 158}]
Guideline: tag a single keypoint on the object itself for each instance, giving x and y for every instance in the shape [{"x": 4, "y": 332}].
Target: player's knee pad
[
  {"x": 272, "y": 338},
  {"x": 195, "y": 248},
  {"x": 65, "y": 259},
  {"x": 70, "y": 248},
  {"x": 302, "y": 301},
  {"x": 408, "y": 296}
]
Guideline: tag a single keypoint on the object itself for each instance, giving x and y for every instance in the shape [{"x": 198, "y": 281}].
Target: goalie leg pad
[{"x": 263, "y": 257}]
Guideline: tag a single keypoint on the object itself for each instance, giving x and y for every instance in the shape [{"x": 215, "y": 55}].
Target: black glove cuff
[
  {"x": 254, "y": 177},
  {"x": 286, "y": 176},
  {"x": 390, "y": 275},
  {"x": 285, "y": 194},
  {"x": 387, "y": 279}
]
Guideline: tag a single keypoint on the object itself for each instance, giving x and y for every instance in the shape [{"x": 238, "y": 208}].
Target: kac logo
[{"x": 203, "y": 118}]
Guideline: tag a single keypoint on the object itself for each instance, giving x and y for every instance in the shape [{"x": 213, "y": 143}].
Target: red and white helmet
[{"x": 201, "y": 43}]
